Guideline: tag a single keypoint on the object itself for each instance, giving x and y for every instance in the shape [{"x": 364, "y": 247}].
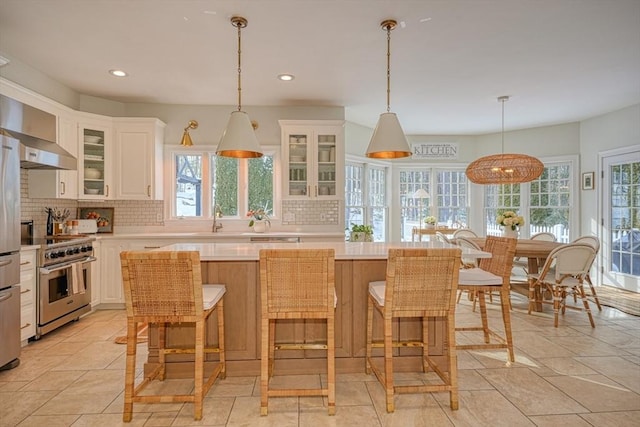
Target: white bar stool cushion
[
  {"x": 211, "y": 294},
  {"x": 478, "y": 276},
  {"x": 376, "y": 289}
]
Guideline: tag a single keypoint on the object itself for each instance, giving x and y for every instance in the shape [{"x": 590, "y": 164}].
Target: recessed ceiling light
[
  {"x": 286, "y": 77},
  {"x": 118, "y": 73}
]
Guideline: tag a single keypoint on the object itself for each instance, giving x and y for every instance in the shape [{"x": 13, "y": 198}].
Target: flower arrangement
[
  {"x": 258, "y": 215},
  {"x": 431, "y": 220},
  {"x": 510, "y": 219}
]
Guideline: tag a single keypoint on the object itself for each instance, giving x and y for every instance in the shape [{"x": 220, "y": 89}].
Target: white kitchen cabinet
[
  {"x": 28, "y": 280},
  {"x": 95, "y": 161},
  {"x": 313, "y": 153},
  {"x": 138, "y": 145},
  {"x": 111, "y": 289},
  {"x": 58, "y": 184}
]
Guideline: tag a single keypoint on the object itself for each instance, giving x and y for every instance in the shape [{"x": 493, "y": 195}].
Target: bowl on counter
[{"x": 92, "y": 173}]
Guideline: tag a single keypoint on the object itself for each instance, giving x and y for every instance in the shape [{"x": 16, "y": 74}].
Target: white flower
[{"x": 510, "y": 219}]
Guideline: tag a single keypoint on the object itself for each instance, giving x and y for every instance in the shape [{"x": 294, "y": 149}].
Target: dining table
[{"x": 536, "y": 252}]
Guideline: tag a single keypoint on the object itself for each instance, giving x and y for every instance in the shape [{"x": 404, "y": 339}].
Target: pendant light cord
[
  {"x": 389, "y": 68},
  {"x": 503, "y": 100},
  {"x": 239, "y": 68}
]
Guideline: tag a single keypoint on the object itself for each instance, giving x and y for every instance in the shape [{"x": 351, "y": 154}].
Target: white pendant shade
[
  {"x": 388, "y": 140},
  {"x": 239, "y": 139}
]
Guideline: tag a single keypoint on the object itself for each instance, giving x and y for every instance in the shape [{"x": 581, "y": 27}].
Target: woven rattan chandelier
[{"x": 504, "y": 168}]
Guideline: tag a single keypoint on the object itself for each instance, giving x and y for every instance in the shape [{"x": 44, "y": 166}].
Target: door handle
[{"x": 5, "y": 263}]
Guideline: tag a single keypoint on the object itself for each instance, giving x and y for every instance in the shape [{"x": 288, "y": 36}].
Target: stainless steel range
[{"x": 64, "y": 282}]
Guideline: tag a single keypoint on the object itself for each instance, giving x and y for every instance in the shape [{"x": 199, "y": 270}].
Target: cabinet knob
[
  {"x": 107, "y": 192},
  {"x": 25, "y": 291},
  {"x": 25, "y": 326},
  {"x": 148, "y": 190},
  {"x": 64, "y": 188}
]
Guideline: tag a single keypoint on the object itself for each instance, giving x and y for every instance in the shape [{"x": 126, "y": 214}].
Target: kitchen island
[{"x": 237, "y": 266}]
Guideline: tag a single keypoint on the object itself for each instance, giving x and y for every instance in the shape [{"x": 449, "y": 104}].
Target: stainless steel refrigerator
[{"x": 9, "y": 252}]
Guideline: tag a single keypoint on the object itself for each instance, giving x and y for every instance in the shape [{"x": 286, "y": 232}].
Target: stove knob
[
  {"x": 83, "y": 249},
  {"x": 60, "y": 254},
  {"x": 69, "y": 251},
  {"x": 49, "y": 255},
  {"x": 89, "y": 248},
  {"x": 76, "y": 250}
]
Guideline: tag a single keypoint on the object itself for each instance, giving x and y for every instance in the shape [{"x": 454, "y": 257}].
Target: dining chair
[
  {"x": 563, "y": 273},
  {"x": 441, "y": 237},
  {"x": 420, "y": 283},
  {"x": 296, "y": 284},
  {"x": 464, "y": 232},
  {"x": 492, "y": 274},
  {"x": 166, "y": 288},
  {"x": 595, "y": 242}
]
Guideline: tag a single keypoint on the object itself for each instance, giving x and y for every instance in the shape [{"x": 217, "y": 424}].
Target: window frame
[
  {"x": 206, "y": 152},
  {"x": 525, "y": 197}
]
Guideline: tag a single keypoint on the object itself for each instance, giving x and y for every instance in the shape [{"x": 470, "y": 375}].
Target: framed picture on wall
[
  {"x": 587, "y": 181},
  {"x": 103, "y": 217}
]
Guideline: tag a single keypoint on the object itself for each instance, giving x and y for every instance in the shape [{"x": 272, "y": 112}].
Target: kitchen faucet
[{"x": 217, "y": 213}]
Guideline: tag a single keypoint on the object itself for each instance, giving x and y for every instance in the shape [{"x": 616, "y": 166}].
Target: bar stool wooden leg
[
  {"x": 483, "y": 315},
  {"x": 221, "y": 346},
  {"x": 198, "y": 370},
  {"x": 506, "y": 319},
  {"x": 265, "y": 364},
  {"x": 130, "y": 370},
  {"x": 367, "y": 365},
  {"x": 331, "y": 367},
  {"x": 388, "y": 363}
]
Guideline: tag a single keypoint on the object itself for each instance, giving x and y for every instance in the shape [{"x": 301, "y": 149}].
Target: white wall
[{"x": 613, "y": 130}]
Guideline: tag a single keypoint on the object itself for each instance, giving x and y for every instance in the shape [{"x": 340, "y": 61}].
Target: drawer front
[{"x": 27, "y": 322}]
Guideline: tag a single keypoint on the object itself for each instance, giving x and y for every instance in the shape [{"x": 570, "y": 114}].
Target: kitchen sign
[{"x": 440, "y": 150}]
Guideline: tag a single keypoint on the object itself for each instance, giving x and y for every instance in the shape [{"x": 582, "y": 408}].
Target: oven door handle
[{"x": 48, "y": 270}]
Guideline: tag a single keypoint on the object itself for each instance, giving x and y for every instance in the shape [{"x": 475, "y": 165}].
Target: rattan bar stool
[
  {"x": 420, "y": 283},
  {"x": 493, "y": 274},
  {"x": 296, "y": 284},
  {"x": 162, "y": 288}
]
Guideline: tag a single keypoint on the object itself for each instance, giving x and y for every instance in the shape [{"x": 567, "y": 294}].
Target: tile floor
[{"x": 572, "y": 376}]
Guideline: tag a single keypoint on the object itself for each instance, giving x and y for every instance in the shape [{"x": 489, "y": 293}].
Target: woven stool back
[
  {"x": 421, "y": 282},
  {"x": 297, "y": 283},
  {"x": 162, "y": 286},
  {"x": 502, "y": 250}
]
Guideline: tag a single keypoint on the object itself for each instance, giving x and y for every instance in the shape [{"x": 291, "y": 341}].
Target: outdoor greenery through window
[
  {"x": 235, "y": 185},
  {"x": 365, "y": 198},
  {"x": 545, "y": 203}
]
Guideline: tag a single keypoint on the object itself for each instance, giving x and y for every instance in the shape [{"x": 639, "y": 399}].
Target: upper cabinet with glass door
[
  {"x": 94, "y": 166},
  {"x": 313, "y": 152}
]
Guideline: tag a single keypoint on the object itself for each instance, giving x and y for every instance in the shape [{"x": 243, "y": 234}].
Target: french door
[{"x": 621, "y": 219}]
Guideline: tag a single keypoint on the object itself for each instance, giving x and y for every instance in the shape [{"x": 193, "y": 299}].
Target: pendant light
[
  {"x": 186, "y": 138},
  {"x": 239, "y": 138},
  {"x": 388, "y": 140},
  {"x": 504, "y": 168}
]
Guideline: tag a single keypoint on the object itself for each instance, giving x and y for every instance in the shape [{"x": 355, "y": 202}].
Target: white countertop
[
  {"x": 218, "y": 235},
  {"x": 343, "y": 250}
]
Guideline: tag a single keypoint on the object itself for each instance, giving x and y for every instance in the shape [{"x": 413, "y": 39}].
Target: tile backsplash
[{"x": 126, "y": 212}]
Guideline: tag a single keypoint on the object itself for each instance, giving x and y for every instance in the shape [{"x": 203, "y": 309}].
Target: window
[
  {"x": 452, "y": 198},
  {"x": 365, "y": 198},
  {"x": 448, "y": 201},
  {"x": 550, "y": 202},
  {"x": 500, "y": 198},
  {"x": 545, "y": 203},
  {"x": 202, "y": 180}
]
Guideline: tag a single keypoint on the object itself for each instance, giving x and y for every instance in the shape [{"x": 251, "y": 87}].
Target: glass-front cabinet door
[
  {"x": 314, "y": 158},
  {"x": 95, "y": 171}
]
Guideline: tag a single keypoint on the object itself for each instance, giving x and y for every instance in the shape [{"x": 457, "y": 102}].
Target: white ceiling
[{"x": 560, "y": 60}]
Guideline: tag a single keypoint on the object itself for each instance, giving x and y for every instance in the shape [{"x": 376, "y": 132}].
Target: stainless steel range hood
[{"x": 36, "y": 131}]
